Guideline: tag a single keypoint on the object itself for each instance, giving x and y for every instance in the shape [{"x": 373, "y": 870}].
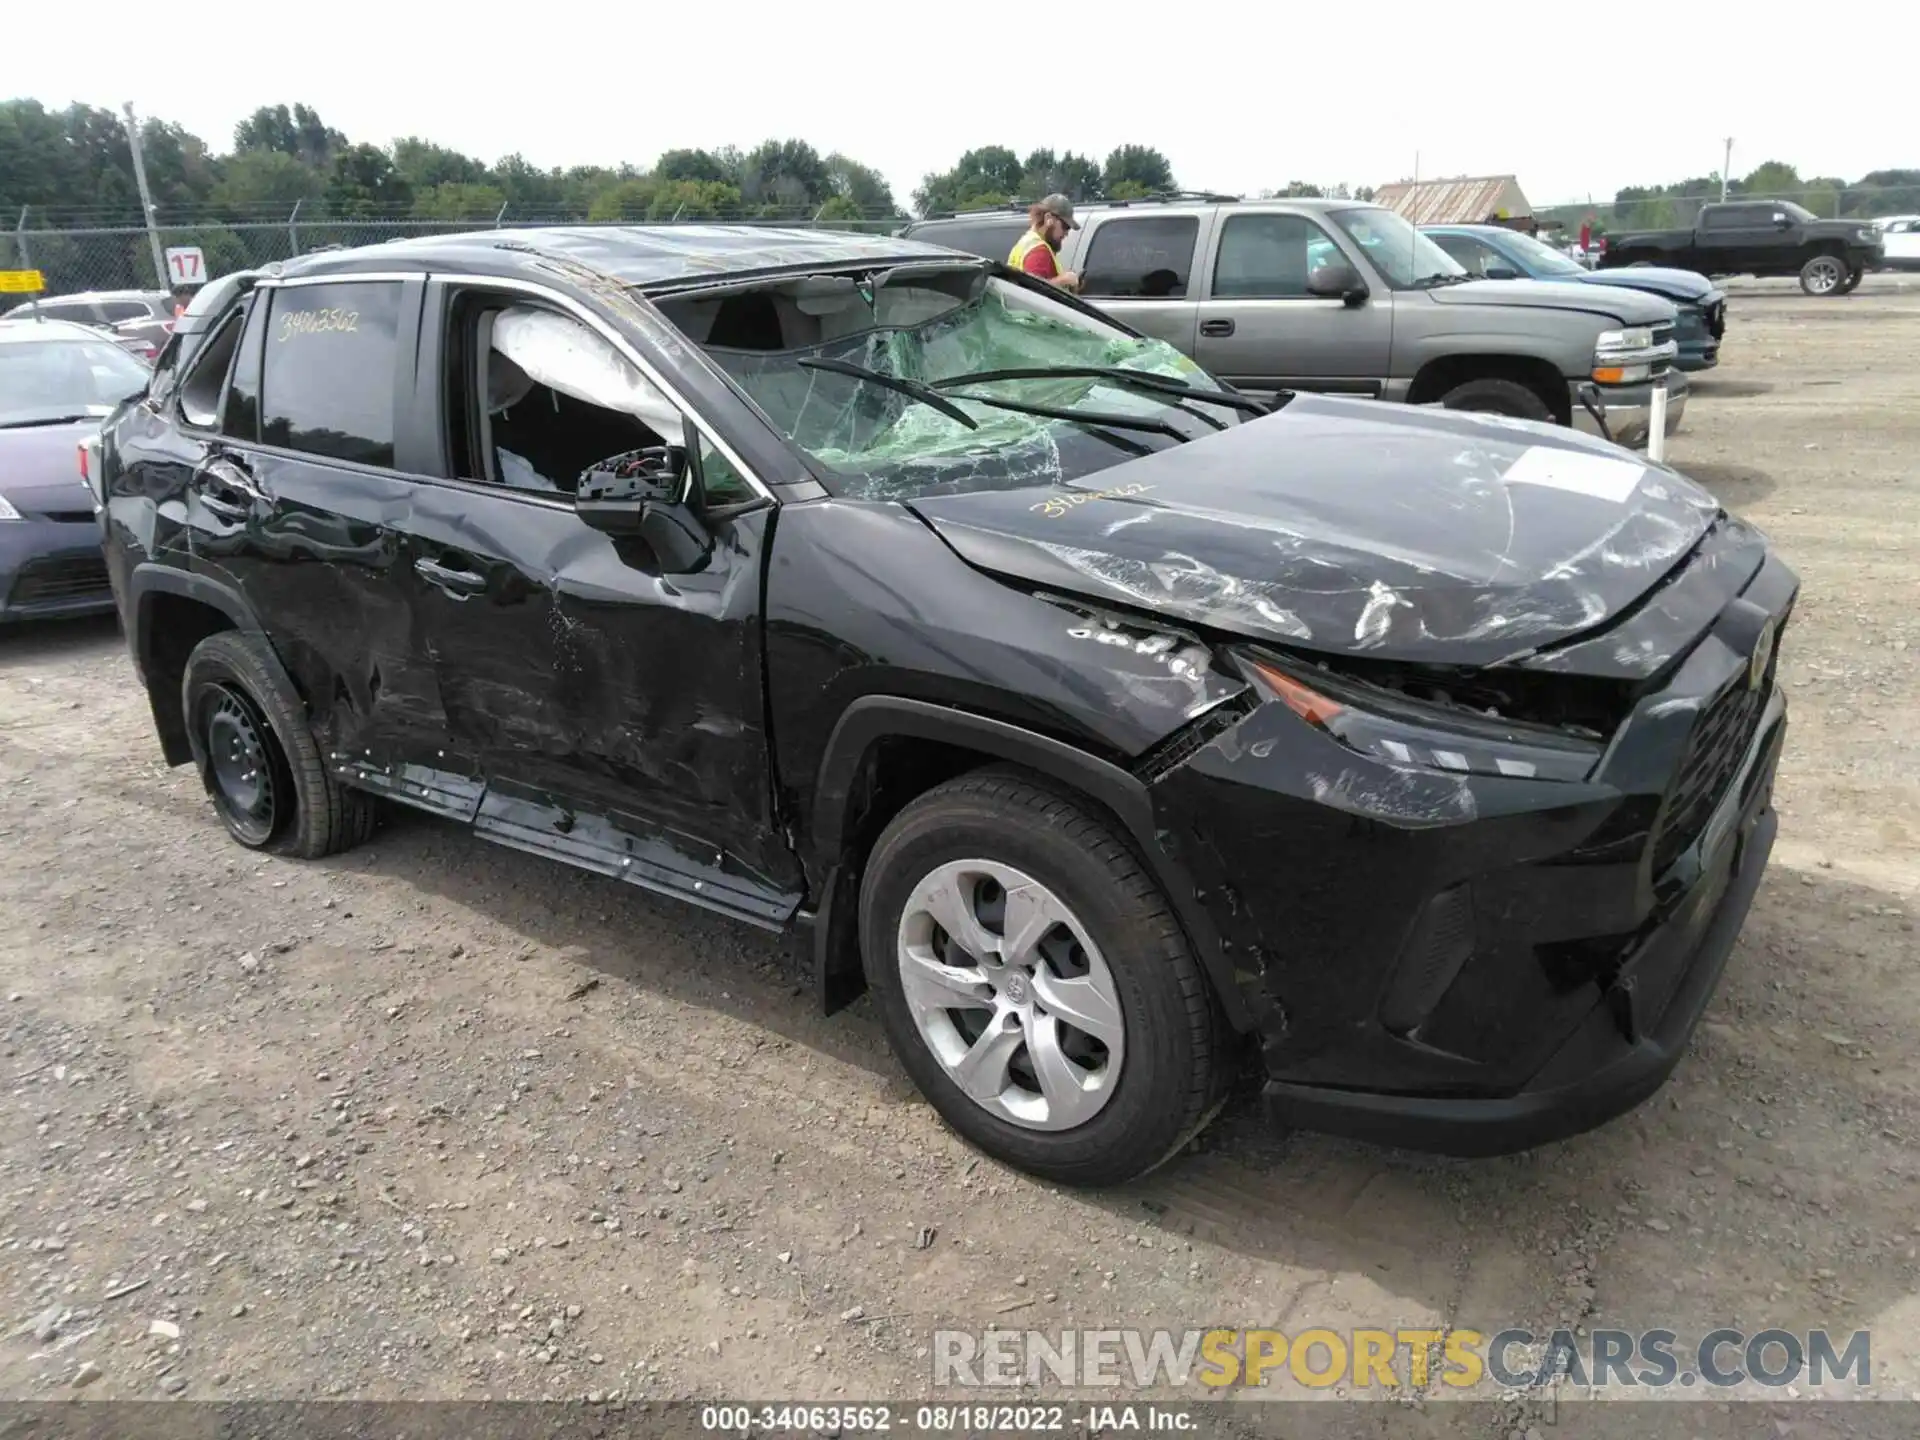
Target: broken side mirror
[
  {"x": 1337, "y": 281},
  {"x": 644, "y": 493}
]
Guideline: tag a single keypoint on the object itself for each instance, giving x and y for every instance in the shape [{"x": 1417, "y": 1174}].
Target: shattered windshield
[{"x": 910, "y": 426}]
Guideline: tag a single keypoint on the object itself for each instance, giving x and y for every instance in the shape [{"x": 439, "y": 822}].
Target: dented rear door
[{"x": 297, "y": 503}]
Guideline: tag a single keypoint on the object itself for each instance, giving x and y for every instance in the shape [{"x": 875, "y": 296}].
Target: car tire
[
  {"x": 1154, "y": 1065},
  {"x": 1824, "y": 275},
  {"x": 1498, "y": 397},
  {"x": 1854, "y": 277},
  {"x": 257, "y": 756}
]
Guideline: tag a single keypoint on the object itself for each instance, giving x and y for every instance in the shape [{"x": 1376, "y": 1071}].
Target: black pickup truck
[{"x": 1759, "y": 237}]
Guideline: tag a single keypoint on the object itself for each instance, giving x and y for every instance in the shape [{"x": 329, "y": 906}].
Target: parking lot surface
[{"x": 437, "y": 1119}]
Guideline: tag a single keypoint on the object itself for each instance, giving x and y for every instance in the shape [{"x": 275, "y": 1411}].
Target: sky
[{"x": 1241, "y": 97}]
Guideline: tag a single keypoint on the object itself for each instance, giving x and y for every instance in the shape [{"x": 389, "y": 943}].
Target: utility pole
[
  {"x": 1726, "y": 165},
  {"x": 146, "y": 197}
]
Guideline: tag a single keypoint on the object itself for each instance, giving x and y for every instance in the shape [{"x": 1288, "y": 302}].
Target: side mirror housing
[
  {"x": 643, "y": 493},
  {"x": 1500, "y": 272},
  {"x": 1783, "y": 222},
  {"x": 1337, "y": 281}
]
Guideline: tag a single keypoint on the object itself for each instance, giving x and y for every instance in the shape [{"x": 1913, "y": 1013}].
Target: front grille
[
  {"x": 1662, "y": 334},
  {"x": 67, "y": 577},
  {"x": 1714, "y": 751}
]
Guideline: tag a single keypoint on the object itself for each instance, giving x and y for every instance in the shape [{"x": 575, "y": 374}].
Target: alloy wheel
[
  {"x": 241, "y": 773},
  {"x": 1825, "y": 275},
  {"x": 1011, "y": 995}
]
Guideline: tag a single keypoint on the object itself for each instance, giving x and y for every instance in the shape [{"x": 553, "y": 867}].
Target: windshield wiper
[
  {"x": 1137, "y": 379},
  {"x": 1104, "y": 418},
  {"x": 911, "y": 388}
]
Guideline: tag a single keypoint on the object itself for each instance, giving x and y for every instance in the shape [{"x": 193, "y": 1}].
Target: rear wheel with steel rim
[
  {"x": 1035, "y": 983},
  {"x": 1824, "y": 275},
  {"x": 246, "y": 775},
  {"x": 257, "y": 756}
]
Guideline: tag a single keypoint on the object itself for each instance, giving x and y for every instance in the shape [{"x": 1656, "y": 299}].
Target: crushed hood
[
  {"x": 1353, "y": 526},
  {"x": 1676, "y": 285},
  {"x": 1626, "y": 306}
]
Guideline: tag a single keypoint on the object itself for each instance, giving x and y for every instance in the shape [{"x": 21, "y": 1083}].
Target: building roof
[
  {"x": 1463, "y": 200},
  {"x": 633, "y": 254}
]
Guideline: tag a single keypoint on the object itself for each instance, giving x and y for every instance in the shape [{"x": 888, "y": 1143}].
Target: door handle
[
  {"x": 457, "y": 583},
  {"x": 1216, "y": 327},
  {"x": 227, "y": 490}
]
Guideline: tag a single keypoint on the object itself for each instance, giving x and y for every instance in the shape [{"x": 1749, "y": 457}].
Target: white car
[{"x": 1901, "y": 235}]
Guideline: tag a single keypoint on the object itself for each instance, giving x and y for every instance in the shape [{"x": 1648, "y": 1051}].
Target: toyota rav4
[{"x": 1109, "y": 724}]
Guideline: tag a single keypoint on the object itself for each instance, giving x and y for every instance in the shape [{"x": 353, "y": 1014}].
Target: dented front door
[{"x": 613, "y": 710}]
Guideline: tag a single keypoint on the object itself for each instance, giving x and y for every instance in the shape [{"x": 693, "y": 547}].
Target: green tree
[
  {"x": 456, "y": 200},
  {"x": 693, "y": 200},
  {"x": 1774, "y": 178},
  {"x": 529, "y": 189},
  {"x": 696, "y": 165},
  {"x": 784, "y": 173},
  {"x": 1074, "y": 176},
  {"x": 362, "y": 184},
  {"x": 181, "y": 175},
  {"x": 623, "y": 200},
  {"x": 1144, "y": 170},
  {"x": 983, "y": 177},
  {"x": 425, "y": 165},
  {"x": 298, "y": 132},
  {"x": 256, "y": 184},
  {"x": 859, "y": 186}
]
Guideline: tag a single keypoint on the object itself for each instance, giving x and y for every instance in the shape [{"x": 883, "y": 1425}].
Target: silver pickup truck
[{"x": 1349, "y": 298}]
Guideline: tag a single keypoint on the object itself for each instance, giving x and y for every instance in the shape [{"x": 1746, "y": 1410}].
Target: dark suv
[{"x": 1106, "y": 722}]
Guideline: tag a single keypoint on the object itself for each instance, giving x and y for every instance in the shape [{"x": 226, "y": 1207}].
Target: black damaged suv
[{"x": 1107, "y": 723}]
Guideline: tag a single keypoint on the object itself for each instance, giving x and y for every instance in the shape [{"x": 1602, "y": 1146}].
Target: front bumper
[
  {"x": 1629, "y": 410},
  {"x": 1631, "y": 1041},
  {"x": 52, "y": 569},
  {"x": 1475, "y": 963}
]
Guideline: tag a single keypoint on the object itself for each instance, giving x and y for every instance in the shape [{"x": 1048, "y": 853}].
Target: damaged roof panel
[{"x": 642, "y": 255}]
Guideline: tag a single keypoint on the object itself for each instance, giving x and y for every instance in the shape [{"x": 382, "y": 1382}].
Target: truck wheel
[
  {"x": 1497, "y": 397},
  {"x": 257, "y": 757},
  {"x": 1854, "y": 277},
  {"x": 1824, "y": 275},
  {"x": 1035, "y": 984}
]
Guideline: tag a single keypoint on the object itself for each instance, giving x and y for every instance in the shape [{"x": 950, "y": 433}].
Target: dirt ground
[{"x": 438, "y": 1119}]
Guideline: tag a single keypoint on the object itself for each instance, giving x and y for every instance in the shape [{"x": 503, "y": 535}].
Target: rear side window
[
  {"x": 1268, "y": 257},
  {"x": 114, "y": 311},
  {"x": 200, "y": 391},
  {"x": 327, "y": 385},
  {"x": 241, "y": 418},
  {"x": 1728, "y": 217},
  {"x": 1145, "y": 258}
]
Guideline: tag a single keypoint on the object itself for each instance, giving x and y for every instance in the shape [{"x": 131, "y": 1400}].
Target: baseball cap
[{"x": 1060, "y": 205}]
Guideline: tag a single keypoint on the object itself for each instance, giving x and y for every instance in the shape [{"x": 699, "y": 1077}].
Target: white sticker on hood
[{"x": 1601, "y": 476}]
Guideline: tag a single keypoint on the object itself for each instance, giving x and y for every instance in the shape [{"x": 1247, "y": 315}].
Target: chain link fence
[
  {"x": 74, "y": 258},
  {"x": 76, "y": 252}
]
